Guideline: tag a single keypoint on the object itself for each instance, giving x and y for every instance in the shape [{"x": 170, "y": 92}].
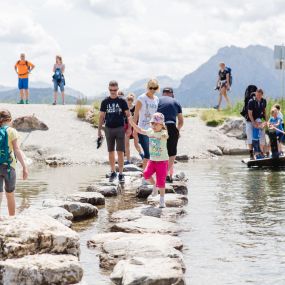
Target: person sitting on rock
[
  {"x": 158, "y": 162},
  {"x": 9, "y": 151}
]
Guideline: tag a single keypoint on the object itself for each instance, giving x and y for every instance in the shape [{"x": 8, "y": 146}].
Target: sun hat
[{"x": 157, "y": 118}]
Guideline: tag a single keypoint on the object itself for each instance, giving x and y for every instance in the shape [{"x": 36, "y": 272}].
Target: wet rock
[
  {"x": 180, "y": 177},
  {"x": 180, "y": 187},
  {"x": 145, "y": 271},
  {"x": 41, "y": 269},
  {"x": 106, "y": 191},
  {"x": 216, "y": 151},
  {"x": 77, "y": 209},
  {"x": 57, "y": 160},
  {"x": 29, "y": 123},
  {"x": 145, "y": 190},
  {"x": 182, "y": 157},
  {"x": 235, "y": 151},
  {"x": 147, "y": 224},
  {"x": 171, "y": 200},
  {"x": 24, "y": 234},
  {"x": 137, "y": 245},
  {"x": 93, "y": 198},
  {"x": 167, "y": 214},
  {"x": 133, "y": 174},
  {"x": 131, "y": 168}
]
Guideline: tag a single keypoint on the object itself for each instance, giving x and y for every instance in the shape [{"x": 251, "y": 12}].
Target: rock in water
[
  {"x": 106, "y": 191},
  {"x": 23, "y": 235},
  {"x": 171, "y": 200},
  {"x": 148, "y": 271},
  {"x": 29, "y": 123},
  {"x": 180, "y": 187},
  {"x": 41, "y": 269},
  {"x": 93, "y": 198},
  {"x": 77, "y": 209},
  {"x": 182, "y": 157},
  {"x": 145, "y": 190}
]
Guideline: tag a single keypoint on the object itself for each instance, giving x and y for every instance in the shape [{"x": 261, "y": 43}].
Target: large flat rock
[
  {"x": 147, "y": 224},
  {"x": 138, "y": 245},
  {"x": 41, "y": 269},
  {"x": 171, "y": 200},
  {"x": 106, "y": 191},
  {"x": 93, "y": 198},
  {"x": 148, "y": 271},
  {"x": 167, "y": 214},
  {"x": 23, "y": 235},
  {"x": 78, "y": 210}
]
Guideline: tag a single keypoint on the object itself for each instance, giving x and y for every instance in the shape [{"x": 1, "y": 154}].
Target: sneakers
[
  {"x": 259, "y": 156},
  {"x": 121, "y": 178},
  {"x": 144, "y": 182},
  {"x": 154, "y": 191},
  {"x": 21, "y": 102},
  {"x": 216, "y": 107},
  {"x": 112, "y": 176},
  {"x": 126, "y": 162},
  {"x": 27, "y": 101},
  {"x": 162, "y": 203},
  {"x": 169, "y": 179},
  {"x": 54, "y": 103}
]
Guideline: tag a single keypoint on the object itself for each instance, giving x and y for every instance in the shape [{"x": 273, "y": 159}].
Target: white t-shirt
[{"x": 148, "y": 108}]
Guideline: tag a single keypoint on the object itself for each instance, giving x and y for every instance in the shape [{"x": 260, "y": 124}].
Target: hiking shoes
[
  {"x": 162, "y": 204},
  {"x": 121, "y": 178},
  {"x": 216, "y": 107},
  {"x": 112, "y": 176},
  {"x": 27, "y": 102},
  {"x": 21, "y": 102}
]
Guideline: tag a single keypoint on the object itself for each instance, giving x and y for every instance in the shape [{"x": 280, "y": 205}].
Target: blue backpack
[
  {"x": 5, "y": 154},
  {"x": 58, "y": 76},
  {"x": 229, "y": 70}
]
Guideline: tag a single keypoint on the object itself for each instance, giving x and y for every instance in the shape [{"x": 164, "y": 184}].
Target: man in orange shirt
[{"x": 23, "y": 68}]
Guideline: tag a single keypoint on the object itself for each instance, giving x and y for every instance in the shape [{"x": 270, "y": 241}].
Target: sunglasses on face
[
  {"x": 113, "y": 90},
  {"x": 153, "y": 88}
]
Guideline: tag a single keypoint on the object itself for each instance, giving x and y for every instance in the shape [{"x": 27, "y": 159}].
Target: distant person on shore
[
  {"x": 23, "y": 68},
  {"x": 58, "y": 78},
  {"x": 146, "y": 106},
  {"x": 223, "y": 84},
  {"x": 113, "y": 111},
  {"x": 9, "y": 152},
  {"x": 256, "y": 110},
  {"x": 172, "y": 111},
  {"x": 130, "y": 100},
  {"x": 158, "y": 163}
]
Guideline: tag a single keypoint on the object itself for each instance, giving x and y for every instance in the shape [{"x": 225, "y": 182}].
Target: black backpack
[{"x": 248, "y": 94}]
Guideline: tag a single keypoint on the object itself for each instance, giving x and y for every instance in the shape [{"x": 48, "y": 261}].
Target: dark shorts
[
  {"x": 10, "y": 182},
  {"x": 173, "y": 136},
  {"x": 144, "y": 142},
  {"x": 57, "y": 85},
  {"x": 23, "y": 83},
  {"x": 115, "y": 136}
]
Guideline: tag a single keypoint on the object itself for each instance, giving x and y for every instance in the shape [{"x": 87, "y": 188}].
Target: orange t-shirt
[{"x": 23, "y": 68}]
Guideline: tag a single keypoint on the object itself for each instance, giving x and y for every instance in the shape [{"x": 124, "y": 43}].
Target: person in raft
[
  {"x": 9, "y": 151},
  {"x": 158, "y": 162},
  {"x": 23, "y": 69}
]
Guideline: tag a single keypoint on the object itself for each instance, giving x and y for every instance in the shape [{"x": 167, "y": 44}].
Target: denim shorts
[
  {"x": 57, "y": 85},
  {"x": 10, "y": 182},
  {"x": 144, "y": 142},
  {"x": 23, "y": 83}
]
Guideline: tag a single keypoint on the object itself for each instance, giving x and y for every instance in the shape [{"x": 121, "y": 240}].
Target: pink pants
[{"x": 160, "y": 168}]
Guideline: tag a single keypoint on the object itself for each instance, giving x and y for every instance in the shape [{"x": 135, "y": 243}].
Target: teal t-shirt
[{"x": 158, "y": 145}]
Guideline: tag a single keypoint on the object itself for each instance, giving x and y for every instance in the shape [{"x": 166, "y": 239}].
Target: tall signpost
[{"x": 279, "y": 57}]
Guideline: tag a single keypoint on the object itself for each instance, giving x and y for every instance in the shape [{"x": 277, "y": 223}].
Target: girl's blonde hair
[
  {"x": 131, "y": 96},
  {"x": 273, "y": 110},
  {"x": 59, "y": 57},
  {"x": 153, "y": 83},
  {"x": 5, "y": 117}
]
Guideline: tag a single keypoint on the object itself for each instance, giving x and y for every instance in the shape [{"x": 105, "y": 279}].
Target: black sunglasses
[
  {"x": 153, "y": 88},
  {"x": 113, "y": 90}
]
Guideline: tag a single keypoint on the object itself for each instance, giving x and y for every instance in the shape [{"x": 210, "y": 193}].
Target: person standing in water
[
  {"x": 58, "y": 78},
  {"x": 23, "y": 69}
]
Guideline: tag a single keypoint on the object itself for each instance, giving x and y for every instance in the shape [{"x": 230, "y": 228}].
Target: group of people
[
  {"x": 256, "y": 124},
  {"x": 24, "y": 67},
  {"x": 152, "y": 123}
]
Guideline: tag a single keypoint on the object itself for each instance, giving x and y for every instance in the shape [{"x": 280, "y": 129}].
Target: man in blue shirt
[{"x": 172, "y": 111}]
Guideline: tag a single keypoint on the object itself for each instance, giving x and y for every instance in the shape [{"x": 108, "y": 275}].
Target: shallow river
[{"x": 236, "y": 220}]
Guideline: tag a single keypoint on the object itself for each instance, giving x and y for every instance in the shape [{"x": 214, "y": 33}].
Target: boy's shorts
[
  {"x": 10, "y": 182},
  {"x": 160, "y": 168},
  {"x": 23, "y": 83}
]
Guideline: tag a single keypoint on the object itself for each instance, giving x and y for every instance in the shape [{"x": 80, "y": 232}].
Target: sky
[{"x": 128, "y": 40}]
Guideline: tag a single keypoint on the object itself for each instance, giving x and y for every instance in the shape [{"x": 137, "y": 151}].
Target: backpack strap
[{"x": 8, "y": 152}]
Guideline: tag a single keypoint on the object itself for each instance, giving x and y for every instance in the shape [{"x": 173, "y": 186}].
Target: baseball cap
[
  {"x": 167, "y": 89},
  {"x": 157, "y": 118}
]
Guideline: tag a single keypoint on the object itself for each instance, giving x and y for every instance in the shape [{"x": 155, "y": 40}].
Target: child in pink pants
[{"x": 158, "y": 163}]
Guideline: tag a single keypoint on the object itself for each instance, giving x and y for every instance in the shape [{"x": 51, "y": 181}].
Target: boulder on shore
[
  {"x": 28, "y": 124},
  {"x": 148, "y": 271},
  {"x": 23, "y": 235},
  {"x": 41, "y": 269}
]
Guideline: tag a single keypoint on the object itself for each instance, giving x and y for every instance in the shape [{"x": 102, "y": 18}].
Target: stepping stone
[
  {"x": 106, "y": 191},
  {"x": 180, "y": 187},
  {"x": 93, "y": 198},
  {"x": 41, "y": 269},
  {"x": 145, "y": 190},
  {"x": 182, "y": 157},
  {"x": 171, "y": 200}
]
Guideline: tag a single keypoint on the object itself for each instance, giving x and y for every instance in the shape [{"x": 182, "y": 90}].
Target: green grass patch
[{"x": 81, "y": 111}]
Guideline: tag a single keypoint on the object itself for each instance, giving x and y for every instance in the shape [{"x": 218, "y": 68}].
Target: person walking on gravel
[
  {"x": 58, "y": 78},
  {"x": 23, "y": 69},
  {"x": 113, "y": 111}
]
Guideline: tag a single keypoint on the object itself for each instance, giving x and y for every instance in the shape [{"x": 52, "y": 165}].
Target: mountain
[
  {"x": 251, "y": 65},
  {"x": 139, "y": 86}
]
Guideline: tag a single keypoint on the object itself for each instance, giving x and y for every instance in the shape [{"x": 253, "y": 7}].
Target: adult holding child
[
  {"x": 113, "y": 111},
  {"x": 146, "y": 106},
  {"x": 58, "y": 78},
  {"x": 23, "y": 69},
  {"x": 172, "y": 111}
]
